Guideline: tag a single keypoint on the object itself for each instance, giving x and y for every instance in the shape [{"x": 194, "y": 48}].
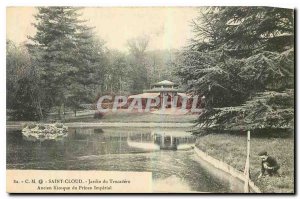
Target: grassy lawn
[
  {"x": 135, "y": 117},
  {"x": 232, "y": 150}
]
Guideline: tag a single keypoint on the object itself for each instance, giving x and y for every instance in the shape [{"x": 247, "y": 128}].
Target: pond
[{"x": 109, "y": 149}]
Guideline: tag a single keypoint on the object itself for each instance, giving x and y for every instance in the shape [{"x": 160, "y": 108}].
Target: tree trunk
[
  {"x": 37, "y": 103},
  {"x": 40, "y": 109},
  {"x": 64, "y": 113},
  {"x": 59, "y": 112}
]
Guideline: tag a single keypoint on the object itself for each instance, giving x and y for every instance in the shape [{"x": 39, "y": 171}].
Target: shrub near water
[{"x": 231, "y": 149}]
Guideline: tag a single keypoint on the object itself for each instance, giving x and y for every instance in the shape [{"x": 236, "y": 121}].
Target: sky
[{"x": 167, "y": 27}]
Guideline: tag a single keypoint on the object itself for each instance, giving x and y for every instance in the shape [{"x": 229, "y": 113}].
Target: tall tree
[
  {"x": 240, "y": 55},
  {"x": 64, "y": 49},
  {"x": 118, "y": 77},
  {"x": 139, "y": 70}
]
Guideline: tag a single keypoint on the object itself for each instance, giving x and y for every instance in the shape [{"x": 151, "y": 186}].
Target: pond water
[{"x": 108, "y": 149}]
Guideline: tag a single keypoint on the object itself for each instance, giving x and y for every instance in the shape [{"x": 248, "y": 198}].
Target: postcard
[{"x": 150, "y": 100}]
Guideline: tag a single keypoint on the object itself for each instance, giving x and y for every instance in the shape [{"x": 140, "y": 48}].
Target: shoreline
[
  {"x": 217, "y": 164},
  {"x": 116, "y": 124},
  {"x": 231, "y": 150}
]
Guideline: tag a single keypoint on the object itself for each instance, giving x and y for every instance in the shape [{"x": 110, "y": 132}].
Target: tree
[
  {"x": 161, "y": 64},
  {"x": 240, "y": 55},
  {"x": 139, "y": 71},
  {"x": 23, "y": 100},
  {"x": 118, "y": 75},
  {"x": 67, "y": 53}
]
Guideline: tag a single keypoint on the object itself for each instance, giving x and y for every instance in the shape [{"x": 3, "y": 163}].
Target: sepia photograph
[{"x": 150, "y": 99}]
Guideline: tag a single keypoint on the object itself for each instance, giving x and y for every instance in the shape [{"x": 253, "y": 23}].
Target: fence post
[{"x": 247, "y": 166}]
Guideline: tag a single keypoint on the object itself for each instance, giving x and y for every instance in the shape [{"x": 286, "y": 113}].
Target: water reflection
[
  {"x": 110, "y": 149},
  {"x": 163, "y": 139}
]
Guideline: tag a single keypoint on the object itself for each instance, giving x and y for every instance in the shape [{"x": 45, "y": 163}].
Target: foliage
[
  {"x": 21, "y": 81},
  {"x": 266, "y": 110},
  {"x": 137, "y": 61},
  {"x": 148, "y": 67},
  {"x": 67, "y": 55},
  {"x": 238, "y": 57},
  {"x": 64, "y": 66},
  {"x": 117, "y": 78}
]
